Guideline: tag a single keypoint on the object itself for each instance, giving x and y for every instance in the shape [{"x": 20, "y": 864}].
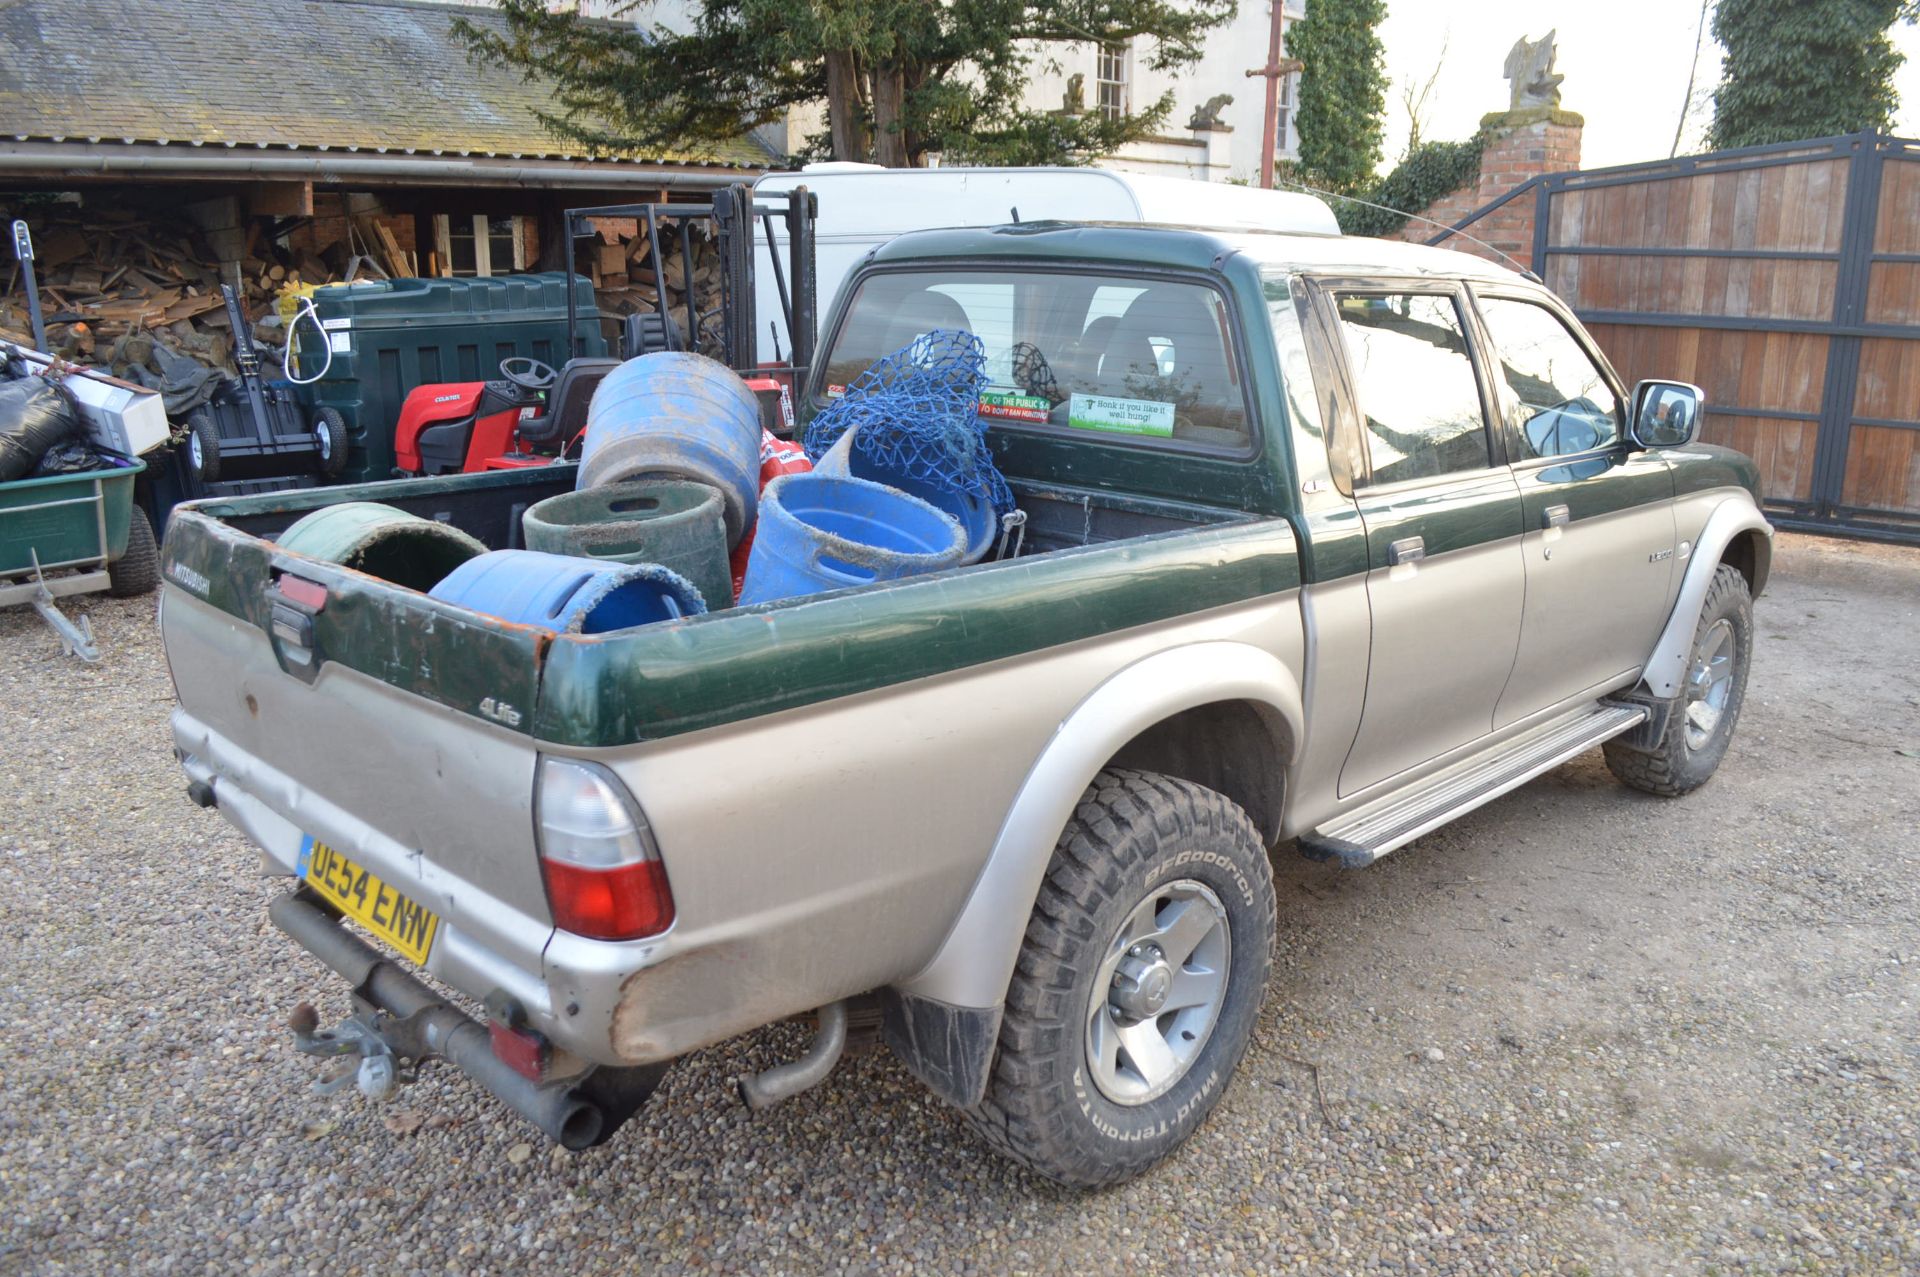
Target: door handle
[
  {"x": 1555, "y": 516},
  {"x": 1406, "y": 550}
]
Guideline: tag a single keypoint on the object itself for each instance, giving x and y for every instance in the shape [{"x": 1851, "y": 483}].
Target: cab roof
[{"x": 1188, "y": 247}]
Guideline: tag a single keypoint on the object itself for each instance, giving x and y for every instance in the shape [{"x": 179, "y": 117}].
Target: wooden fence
[{"x": 1785, "y": 281}]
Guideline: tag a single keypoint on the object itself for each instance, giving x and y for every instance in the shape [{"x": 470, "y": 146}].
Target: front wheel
[
  {"x": 1700, "y": 726},
  {"x": 1138, "y": 983}
]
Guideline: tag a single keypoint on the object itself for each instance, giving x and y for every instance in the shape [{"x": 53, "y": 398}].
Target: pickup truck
[{"x": 1327, "y": 541}]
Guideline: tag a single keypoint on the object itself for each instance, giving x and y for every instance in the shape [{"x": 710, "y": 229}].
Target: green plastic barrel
[
  {"x": 384, "y": 542},
  {"x": 675, "y": 523},
  {"x": 391, "y": 336}
]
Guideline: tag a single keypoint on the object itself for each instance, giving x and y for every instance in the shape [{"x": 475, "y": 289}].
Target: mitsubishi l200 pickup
[{"x": 1327, "y": 541}]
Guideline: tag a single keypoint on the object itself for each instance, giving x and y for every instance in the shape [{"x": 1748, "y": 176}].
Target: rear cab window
[{"x": 1125, "y": 359}]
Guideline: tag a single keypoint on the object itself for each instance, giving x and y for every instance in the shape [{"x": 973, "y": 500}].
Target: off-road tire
[
  {"x": 207, "y": 436},
  {"x": 137, "y": 570},
  {"x": 1132, "y": 831},
  {"x": 330, "y": 436},
  {"x": 1674, "y": 768}
]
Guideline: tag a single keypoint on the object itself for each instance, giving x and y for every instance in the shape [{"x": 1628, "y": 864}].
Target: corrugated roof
[{"x": 366, "y": 75}]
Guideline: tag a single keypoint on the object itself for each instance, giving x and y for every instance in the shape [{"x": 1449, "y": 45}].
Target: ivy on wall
[{"x": 1432, "y": 171}]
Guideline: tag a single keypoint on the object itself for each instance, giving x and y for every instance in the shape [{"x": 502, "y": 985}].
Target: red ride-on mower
[{"x": 478, "y": 425}]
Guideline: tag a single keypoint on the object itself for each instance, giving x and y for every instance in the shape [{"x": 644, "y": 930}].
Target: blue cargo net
[{"x": 917, "y": 411}]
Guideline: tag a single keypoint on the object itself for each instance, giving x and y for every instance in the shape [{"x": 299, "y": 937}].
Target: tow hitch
[
  {"x": 399, "y": 1024},
  {"x": 379, "y": 1073}
]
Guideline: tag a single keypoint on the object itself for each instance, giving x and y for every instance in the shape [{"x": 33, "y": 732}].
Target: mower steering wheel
[{"x": 528, "y": 373}]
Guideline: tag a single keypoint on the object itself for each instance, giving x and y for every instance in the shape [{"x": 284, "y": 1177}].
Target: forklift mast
[{"x": 733, "y": 214}]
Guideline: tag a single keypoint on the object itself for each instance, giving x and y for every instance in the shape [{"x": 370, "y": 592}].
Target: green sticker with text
[{"x": 1121, "y": 416}]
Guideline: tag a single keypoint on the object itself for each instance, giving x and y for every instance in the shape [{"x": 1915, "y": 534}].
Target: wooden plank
[
  {"x": 1889, "y": 385},
  {"x": 1898, "y": 228},
  {"x": 1883, "y": 469},
  {"x": 1783, "y": 450},
  {"x": 1893, "y": 292}
]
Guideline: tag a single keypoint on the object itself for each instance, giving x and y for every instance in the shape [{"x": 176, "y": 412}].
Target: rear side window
[
  {"x": 1414, "y": 379},
  {"x": 1557, "y": 398},
  {"x": 1100, "y": 354}
]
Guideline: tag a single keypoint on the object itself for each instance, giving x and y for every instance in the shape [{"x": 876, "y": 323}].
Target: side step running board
[{"x": 1359, "y": 838}]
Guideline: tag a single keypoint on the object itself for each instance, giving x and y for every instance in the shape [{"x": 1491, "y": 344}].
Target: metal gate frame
[{"x": 1866, "y": 154}]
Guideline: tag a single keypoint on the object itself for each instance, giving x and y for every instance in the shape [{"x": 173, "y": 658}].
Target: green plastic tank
[{"x": 390, "y": 336}]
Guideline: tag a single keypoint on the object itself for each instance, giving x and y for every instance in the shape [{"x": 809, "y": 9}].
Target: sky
[{"x": 1625, "y": 64}]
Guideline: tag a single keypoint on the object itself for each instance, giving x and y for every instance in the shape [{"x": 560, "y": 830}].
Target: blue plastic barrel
[
  {"x": 820, "y": 532},
  {"x": 972, "y": 510},
  {"x": 673, "y": 415},
  {"x": 570, "y": 595}
]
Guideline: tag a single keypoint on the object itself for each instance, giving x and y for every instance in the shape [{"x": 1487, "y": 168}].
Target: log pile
[
  {"x": 108, "y": 274},
  {"x": 627, "y": 279}
]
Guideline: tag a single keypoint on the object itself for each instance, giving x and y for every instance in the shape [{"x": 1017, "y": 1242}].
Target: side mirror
[{"x": 1666, "y": 414}]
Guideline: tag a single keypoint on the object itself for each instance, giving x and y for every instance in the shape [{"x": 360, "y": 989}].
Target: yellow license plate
[{"x": 368, "y": 901}]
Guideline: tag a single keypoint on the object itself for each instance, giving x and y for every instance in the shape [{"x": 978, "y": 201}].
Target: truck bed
[{"x": 409, "y": 737}]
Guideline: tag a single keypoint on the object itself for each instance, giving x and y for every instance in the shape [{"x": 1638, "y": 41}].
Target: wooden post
[{"x": 1276, "y": 67}]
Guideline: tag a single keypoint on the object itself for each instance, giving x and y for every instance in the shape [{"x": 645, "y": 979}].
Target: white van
[{"x": 864, "y": 205}]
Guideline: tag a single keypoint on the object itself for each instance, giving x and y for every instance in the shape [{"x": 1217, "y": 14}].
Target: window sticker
[
  {"x": 1010, "y": 405},
  {"x": 1121, "y": 416}
]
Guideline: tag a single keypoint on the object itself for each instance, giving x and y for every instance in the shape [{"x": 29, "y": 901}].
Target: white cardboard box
[{"x": 117, "y": 414}]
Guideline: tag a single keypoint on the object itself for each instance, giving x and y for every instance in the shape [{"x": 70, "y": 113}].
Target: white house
[{"x": 1116, "y": 78}]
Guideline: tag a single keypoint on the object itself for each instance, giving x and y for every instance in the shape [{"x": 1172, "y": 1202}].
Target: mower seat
[
  {"x": 647, "y": 331},
  {"x": 566, "y": 414}
]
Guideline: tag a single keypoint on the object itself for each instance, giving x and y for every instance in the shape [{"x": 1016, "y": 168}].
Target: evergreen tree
[
  {"x": 1811, "y": 68},
  {"x": 1343, "y": 91},
  {"x": 902, "y": 79}
]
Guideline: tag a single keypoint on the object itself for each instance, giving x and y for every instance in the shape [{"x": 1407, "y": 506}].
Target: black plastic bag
[
  {"x": 72, "y": 457},
  {"x": 35, "y": 417}
]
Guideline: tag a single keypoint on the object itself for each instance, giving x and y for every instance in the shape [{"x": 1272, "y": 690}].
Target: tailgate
[{"x": 378, "y": 720}]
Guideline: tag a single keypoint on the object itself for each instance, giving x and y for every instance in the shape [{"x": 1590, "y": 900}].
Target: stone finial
[
  {"x": 1530, "y": 69},
  {"x": 1206, "y": 117},
  {"x": 1074, "y": 100}
]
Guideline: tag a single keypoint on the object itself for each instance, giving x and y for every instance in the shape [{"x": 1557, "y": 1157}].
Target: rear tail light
[{"x": 602, "y": 869}]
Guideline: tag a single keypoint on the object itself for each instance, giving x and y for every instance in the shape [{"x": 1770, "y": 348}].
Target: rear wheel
[
  {"x": 203, "y": 448},
  {"x": 137, "y": 570},
  {"x": 1700, "y": 726},
  {"x": 1138, "y": 983},
  {"x": 330, "y": 439}
]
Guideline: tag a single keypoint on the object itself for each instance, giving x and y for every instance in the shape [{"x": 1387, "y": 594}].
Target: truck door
[
  {"x": 1598, "y": 548},
  {"x": 1442, "y": 516}
]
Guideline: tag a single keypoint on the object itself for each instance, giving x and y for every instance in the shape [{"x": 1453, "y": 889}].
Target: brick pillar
[{"x": 1520, "y": 144}]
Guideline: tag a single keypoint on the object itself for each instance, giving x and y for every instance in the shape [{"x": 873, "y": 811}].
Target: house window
[
  {"x": 1110, "y": 79},
  {"x": 1286, "y": 98},
  {"x": 479, "y": 245}
]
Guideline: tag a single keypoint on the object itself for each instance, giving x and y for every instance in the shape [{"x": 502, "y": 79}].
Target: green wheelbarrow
[{"x": 87, "y": 530}]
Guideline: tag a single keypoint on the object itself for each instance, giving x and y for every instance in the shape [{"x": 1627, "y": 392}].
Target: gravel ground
[{"x": 1580, "y": 1031}]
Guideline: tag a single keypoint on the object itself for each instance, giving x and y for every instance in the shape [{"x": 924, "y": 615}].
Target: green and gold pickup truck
[{"x": 1327, "y": 541}]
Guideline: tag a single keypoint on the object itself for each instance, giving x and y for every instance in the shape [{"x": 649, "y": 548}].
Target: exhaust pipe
[
  {"x": 784, "y": 1081},
  {"x": 577, "y": 1113}
]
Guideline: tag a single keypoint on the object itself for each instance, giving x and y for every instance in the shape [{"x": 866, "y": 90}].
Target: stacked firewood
[
  {"x": 107, "y": 274},
  {"x": 627, "y": 279}
]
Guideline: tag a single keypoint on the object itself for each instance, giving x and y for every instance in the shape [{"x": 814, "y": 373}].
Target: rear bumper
[
  {"x": 569, "y": 987},
  {"x": 412, "y": 1022}
]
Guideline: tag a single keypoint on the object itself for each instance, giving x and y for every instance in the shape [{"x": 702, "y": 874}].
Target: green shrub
[{"x": 1432, "y": 171}]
